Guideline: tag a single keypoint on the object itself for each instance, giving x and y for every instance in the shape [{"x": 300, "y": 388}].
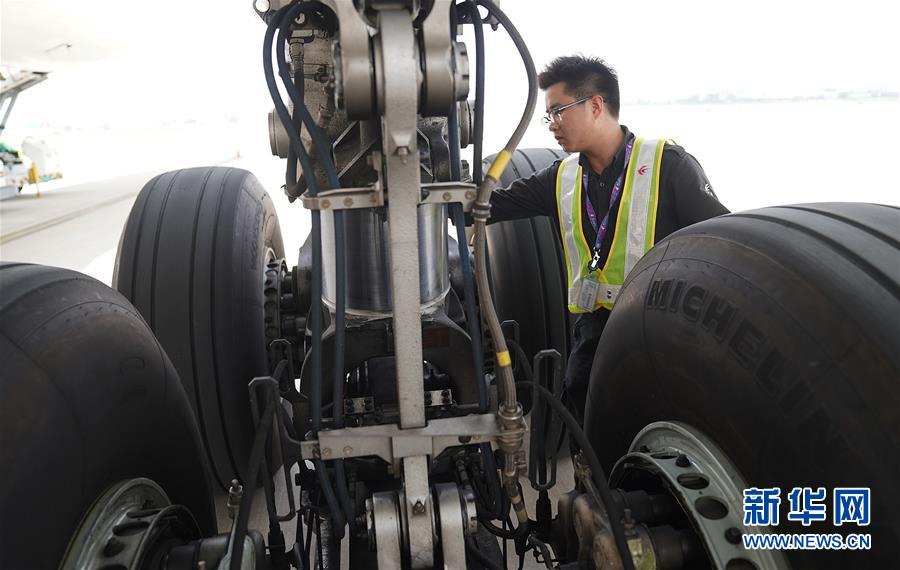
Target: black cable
[
  {"x": 490, "y": 504},
  {"x": 456, "y": 212},
  {"x": 309, "y": 531},
  {"x": 316, "y": 285},
  {"x": 504, "y": 533},
  {"x": 290, "y": 175},
  {"x": 505, "y": 545},
  {"x": 478, "y": 129},
  {"x": 538, "y": 448},
  {"x": 299, "y": 549},
  {"x": 319, "y": 549},
  {"x": 319, "y": 141},
  {"x": 597, "y": 472},
  {"x": 522, "y": 48},
  {"x": 323, "y": 147},
  {"x": 479, "y": 556},
  {"x": 280, "y": 108},
  {"x": 299, "y": 555},
  {"x": 481, "y": 213},
  {"x": 256, "y": 456}
]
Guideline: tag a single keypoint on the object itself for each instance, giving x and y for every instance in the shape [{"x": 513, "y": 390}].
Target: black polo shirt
[{"x": 685, "y": 197}]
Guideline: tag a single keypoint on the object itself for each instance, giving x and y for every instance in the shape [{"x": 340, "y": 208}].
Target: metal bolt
[
  {"x": 326, "y": 204},
  {"x": 402, "y": 150},
  {"x": 348, "y": 202},
  {"x": 326, "y": 452},
  {"x": 733, "y": 535},
  {"x": 446, "y": 196},
  {"x": 683, "y": 461},
  {"x": 419, "y": 507},
  {"x": 628, "y": 524},
  {"x": 465, "y": 438},
  {"x": 235, "y": 494},
  {"x": 470, "y": 195},
  {"x": 348, "y": 450}
]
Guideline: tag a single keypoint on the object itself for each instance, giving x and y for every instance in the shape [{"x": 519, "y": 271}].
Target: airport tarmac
[{"x": 77, "y": 226}]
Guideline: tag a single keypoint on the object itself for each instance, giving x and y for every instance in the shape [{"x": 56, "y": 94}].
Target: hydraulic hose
[
  {"x": 322, "y": 146},
  {"x": 290, "y": 175},
  {"x": 316, "y": 285},
  {"x": 458, "y": 216},
  {"x": 481, "y": 213},
  {"x": 512, "y": 424},
  {"x": 478, "y": 130},
  {"x": 575, "y": 431}
]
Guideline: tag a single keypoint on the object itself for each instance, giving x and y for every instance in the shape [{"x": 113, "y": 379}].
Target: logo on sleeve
[{"x": 643, "y": 170}]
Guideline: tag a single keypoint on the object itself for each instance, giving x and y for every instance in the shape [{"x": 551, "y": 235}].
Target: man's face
[{"x": 572, "y": 126}]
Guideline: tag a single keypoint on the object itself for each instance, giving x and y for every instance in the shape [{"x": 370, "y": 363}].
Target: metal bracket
[
  {"x": 353, "y": 61},
  {"x": 373, "y": 196},
  {"x": 345, "y": 199},
  {"x": 392, "y": 443},
  {"x": 439, "y": 92},
  {"x": 417, "y": 505},
  {"x": 449, "y": 192}
]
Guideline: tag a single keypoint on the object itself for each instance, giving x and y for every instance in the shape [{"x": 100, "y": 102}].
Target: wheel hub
[
  {"x": 131, "y": 526},
  {"x": 705, "y": 483}
]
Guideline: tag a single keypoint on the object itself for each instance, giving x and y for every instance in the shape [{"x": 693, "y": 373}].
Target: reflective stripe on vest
[{"x": 635, "y": 224}]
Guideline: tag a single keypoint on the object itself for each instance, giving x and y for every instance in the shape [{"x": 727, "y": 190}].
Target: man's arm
[
  {"x": 695, "y": 200},
  {"x": 534, "y": 195}
]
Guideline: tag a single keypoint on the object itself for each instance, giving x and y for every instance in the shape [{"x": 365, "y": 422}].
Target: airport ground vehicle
[{"x": 756, "y": 349}]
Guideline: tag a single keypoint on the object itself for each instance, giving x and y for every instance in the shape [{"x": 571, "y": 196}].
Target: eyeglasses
[{"x": 555, "y": 115}]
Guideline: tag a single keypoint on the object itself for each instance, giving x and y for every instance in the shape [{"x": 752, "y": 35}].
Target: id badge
[{"x": 587, "y": 297}]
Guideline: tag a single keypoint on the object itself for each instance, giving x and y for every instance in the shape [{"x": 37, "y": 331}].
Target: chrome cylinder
[{"x": 369, "y": 260}]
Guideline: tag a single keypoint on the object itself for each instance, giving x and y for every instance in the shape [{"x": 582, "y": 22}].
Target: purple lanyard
[{"x": 614, "y": 195}]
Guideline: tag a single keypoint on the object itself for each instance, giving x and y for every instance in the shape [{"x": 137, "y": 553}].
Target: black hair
[{"x": 584, "y": 76}]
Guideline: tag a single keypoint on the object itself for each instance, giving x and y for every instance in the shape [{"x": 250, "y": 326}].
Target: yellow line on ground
[{"x": 62, "y": 219}]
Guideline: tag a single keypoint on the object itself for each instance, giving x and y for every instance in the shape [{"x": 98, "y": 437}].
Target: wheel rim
[
  {"x": 705, "y": 483},
  {"x": 124, "y": 527}
]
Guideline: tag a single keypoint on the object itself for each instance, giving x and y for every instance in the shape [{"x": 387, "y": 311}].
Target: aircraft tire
[
  {"x": 192, "y": 259},
  {"x": 775, "y": 332},
  {"x": 88, "y": 398}
]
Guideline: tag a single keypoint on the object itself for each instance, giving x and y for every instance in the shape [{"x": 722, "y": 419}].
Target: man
[{"x": 662, "y": 187}]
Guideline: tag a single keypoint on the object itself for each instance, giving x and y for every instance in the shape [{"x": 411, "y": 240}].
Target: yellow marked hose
[
  {"x": 503, "y": 358},
  {"x": 499, "y": 165},
  {"x": 519, "y": 508}
]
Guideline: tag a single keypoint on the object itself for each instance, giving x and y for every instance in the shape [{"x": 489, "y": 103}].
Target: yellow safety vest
[{"x": 635, "y": 224}]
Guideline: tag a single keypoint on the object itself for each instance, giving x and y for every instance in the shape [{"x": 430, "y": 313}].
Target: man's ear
[{"x": 597, "y": 106}]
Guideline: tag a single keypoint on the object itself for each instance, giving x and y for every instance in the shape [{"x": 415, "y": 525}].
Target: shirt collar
[{"x": 619, "y": 159}]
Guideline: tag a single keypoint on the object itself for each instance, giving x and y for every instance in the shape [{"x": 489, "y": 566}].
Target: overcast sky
[{"x": 201, "y": 59}]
